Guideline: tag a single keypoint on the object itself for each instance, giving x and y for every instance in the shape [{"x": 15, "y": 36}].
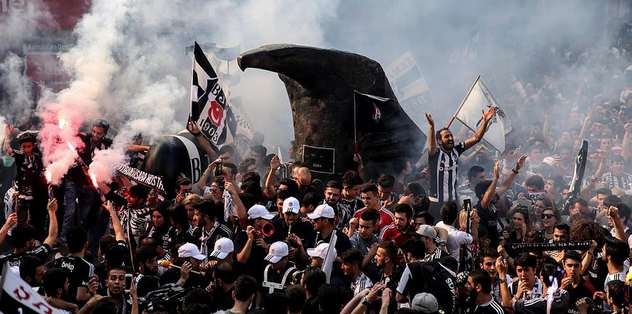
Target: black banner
[
  {"x": 142, "y": 177},
  {"x": 319, "y": 159},
  {"x": 554, "y": 246}
]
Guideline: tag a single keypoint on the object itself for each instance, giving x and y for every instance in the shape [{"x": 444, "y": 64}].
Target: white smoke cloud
[
  {"x": 130, "y": 65},
  {"x": 92, "y": 64},
  {"x": 19, "y": 100}
]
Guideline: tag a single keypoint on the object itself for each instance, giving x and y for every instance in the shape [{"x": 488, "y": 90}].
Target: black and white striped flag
[{"x": 209, "y": 106}]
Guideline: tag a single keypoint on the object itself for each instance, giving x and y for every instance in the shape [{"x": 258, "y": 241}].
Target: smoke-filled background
[{"x": 129, "y": 62}]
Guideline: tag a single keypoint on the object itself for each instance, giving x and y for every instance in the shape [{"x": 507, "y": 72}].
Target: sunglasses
[{"x": 547, "y": 216}]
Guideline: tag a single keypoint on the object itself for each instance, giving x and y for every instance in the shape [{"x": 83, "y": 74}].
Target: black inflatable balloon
[{"x": 175, "y": 156}]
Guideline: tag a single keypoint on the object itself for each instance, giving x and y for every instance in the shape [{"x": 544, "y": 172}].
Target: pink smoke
[{"x": 59, "y": 140}]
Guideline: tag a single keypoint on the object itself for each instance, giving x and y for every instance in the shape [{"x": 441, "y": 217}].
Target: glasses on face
[
  {"x": 547, "y": 216},
  {"x": 488, "y": 264}
]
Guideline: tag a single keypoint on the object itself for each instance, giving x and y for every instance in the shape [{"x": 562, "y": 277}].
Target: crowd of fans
[{"x": 254, "y": 235}]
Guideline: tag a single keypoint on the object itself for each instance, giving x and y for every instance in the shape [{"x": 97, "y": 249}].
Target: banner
[
  {"x": 554, "y": 246},
  {"x": 319, "y": 159},
  {"x": 19, "y": 297},
  {"x": 142, "y": 177},
  {"x": 471, "y": 110},
  {"x": 209, "y": 106}
]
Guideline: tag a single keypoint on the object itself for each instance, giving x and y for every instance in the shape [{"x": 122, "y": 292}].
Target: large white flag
[
  {"x": 470, "y": 113},
  {"x": 17, "y": 296}
]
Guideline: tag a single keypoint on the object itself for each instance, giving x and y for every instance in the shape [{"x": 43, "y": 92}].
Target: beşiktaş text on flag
[
  {"x": 470, "y": 113},
  {"x": 209, "y": 106},
  {"x": 19, "y": 297}
]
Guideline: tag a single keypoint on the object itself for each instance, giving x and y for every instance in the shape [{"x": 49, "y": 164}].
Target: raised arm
[
  {"x": 432, "y": 140},
  {"x": 12, "y": 220},
  {"x": 240, "y": 209},
  {"x": 52, "y": 223},
  {"x": 116, "y": 222},
  {"x": 491, "y": 190},
  {"x": 512, "y": 176},
  {"x": 478, "y": 135},
  {"x": 269, "y": 184},
  {"x": 193, "y": 128}
]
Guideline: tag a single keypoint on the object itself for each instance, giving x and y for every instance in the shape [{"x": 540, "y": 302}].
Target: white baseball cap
[
  {"x": 291, "y": 204},
  {"x": 322, "y": 211},
  {"x": 259, "y": 211},
  {"x": 223, "y": 247},
  {"x": 278, "y": 250},
  {"x": 320, "y": 251},
  {"x": 190, "y": 250},
  {"x": 425, "y": 303}
]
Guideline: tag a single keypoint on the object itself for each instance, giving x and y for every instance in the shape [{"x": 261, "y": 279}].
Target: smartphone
[{"x": 128, "y": 281}]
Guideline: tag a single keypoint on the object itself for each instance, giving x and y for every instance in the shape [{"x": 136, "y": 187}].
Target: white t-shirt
[{"x": 456, "y": 238}]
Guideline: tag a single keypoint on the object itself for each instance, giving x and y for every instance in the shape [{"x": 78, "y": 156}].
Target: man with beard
[
  {"x": 351, "y": 269},
  {"x": 147, "y": 280},
  {"x": 300, "y": 232},
  {"x": 478, "y": 287},
  {"x": 323, "y": 219},
  {"x": 443, "y": 159},
  {"x": 208, "y": 229},
  {"x": 80, "y": 198},
  {"x": 223, "y": 285},
  {"x": 56, "y": 288},
  {"x": 401, "y": 230},
  {"x": 333, "y": 191}
]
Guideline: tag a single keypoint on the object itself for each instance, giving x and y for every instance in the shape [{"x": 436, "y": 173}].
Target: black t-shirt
[
  {"x": 80, "y": 272},
  {"x": 583, "y": 290},
  {"x": 43, "y": 252},
  {"x": 223, "y": 300},
  {"x": 86, "y": 154},
  {"x": 304, "y": 230},
  {"x": 488, "y": 308},
  {"x": 489, "y": 223},
  {"x": 432, "y": 277},
  {"x": 255, "y": 264}
]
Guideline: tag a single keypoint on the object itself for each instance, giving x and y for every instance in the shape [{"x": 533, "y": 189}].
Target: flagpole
[
  {"x": 355, "y": 125},
  {"x": 463, "y": 102},
  {"x": 191, "y": 86}
]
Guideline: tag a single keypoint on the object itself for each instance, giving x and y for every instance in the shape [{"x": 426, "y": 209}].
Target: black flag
[{"x": 578, "y": 175}]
